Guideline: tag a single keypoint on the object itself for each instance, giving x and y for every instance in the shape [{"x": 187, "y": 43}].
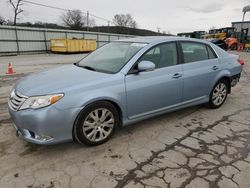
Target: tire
[
  {"x": 96, "y": 123},
  {"x": 233, "y": 47},
  {"x": 218, "y": 94}
]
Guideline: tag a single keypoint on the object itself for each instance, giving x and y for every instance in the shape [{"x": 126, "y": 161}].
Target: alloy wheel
[
  {"x": 98, "y": 124},
  {"x": 219, "y": 94}
]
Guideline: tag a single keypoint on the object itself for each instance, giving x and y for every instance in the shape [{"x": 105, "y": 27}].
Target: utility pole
[
  {"x": 87, "y": 20},
  {"x": 108, "y": 26},
  {"x": 158, "y": 28}
]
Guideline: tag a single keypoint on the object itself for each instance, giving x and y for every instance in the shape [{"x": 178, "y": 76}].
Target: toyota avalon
[{"x": 121, "y": 83}]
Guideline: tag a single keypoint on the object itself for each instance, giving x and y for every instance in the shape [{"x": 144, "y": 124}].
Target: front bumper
[{"x": 47, "y": 125}]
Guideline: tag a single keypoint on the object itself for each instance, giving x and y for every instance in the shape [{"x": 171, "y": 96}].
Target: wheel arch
[
  {"x": 233, "y": 44},
  {"x": 223, "y": 74},
  {"x": 118, "y": 108},
  {"x": 115, "y": 104},
  {"x": 228, "y": 80}
]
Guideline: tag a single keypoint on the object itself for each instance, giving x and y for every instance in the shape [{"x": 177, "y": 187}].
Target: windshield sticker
[{"x": 138, "y": 44}]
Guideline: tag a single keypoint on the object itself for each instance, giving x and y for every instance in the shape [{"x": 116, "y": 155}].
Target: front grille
[{"x": 16, "y": 100}]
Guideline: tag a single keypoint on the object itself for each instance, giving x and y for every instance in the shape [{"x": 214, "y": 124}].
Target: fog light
[{"x": 43, "y": 137}]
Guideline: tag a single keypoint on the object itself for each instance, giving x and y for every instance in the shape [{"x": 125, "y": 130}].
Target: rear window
[
  {"x": 211, "y": 54},
  {"x": 193, "y": 52}
]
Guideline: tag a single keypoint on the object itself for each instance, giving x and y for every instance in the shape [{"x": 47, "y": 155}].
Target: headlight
[{"x": 40, "y": 101}]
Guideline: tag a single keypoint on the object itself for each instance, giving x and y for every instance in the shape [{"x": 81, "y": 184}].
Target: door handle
[
  {"x": 215, "y": 68},
  {"x": 177, "y": 75}
]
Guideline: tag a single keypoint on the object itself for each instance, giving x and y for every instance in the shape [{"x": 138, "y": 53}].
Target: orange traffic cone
[{"x": 10, "y": 70}]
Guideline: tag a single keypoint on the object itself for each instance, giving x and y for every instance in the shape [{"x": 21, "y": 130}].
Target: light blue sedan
[{"x": 118, "y": 84}]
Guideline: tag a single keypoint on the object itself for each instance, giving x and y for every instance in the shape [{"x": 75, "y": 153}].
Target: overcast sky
[{"x": 171, "y": 16}]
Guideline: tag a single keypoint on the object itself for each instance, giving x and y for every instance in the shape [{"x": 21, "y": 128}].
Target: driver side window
[{"x": 162, "y": 55}]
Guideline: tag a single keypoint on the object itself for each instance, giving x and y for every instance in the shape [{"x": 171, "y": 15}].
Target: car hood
[{"x": 58, "y": 80}]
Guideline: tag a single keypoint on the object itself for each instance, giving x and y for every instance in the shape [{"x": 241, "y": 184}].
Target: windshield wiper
[{"x": 87, "y": 67}]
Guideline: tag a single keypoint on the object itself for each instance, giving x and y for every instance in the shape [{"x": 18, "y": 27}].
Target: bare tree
[
  {"x": 2, "y": 21},
  {"x": 125, "y": 20},
  {"x": 76, "y": 20},
  {"x": 16, "y": 8}
]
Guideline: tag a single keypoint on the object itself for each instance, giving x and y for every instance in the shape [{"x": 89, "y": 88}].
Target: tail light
[{"x": 241, "y": 61}]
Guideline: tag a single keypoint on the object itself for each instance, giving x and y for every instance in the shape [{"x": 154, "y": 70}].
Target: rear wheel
[
  {"x": 96, "y": 124},
  {"x": 219, "y": 94},
  {"x": 233, "y": 47}
]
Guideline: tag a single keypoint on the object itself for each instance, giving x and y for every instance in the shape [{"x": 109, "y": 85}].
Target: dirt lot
[{"x": 194, "y": 147}]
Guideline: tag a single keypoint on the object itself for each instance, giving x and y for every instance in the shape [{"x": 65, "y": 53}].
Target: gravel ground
[{"x": 193, "y": 147}]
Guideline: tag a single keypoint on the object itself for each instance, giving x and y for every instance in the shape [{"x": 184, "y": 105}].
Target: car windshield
[{"x": 111, "y": 57}]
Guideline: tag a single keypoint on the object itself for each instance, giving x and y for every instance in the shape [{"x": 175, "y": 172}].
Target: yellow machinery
[
  {"x": 220, "y": 35},
  {"x": 247, "y": 47},
  {"x": 72, "y": 45},
  {"x": 215, "y": 35}
]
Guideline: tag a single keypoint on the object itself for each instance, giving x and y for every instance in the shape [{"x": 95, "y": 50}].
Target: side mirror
[{"x": 145, "y": 66}]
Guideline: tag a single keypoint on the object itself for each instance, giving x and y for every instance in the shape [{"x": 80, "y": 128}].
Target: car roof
[
  {"x": 158, "y": 39},
  {"x": 153, "y": 40}
]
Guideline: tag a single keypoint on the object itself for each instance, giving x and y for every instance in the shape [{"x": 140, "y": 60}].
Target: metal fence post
[
  {"x": 45, "y": 40},
  {"x": 97, "y": 41},
  {"x": 17, "y": 43}
]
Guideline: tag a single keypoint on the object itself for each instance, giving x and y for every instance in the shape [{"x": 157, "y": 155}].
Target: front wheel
[
  {"x": 96, "y": 124},
  {"x": 219, "y": 94}
]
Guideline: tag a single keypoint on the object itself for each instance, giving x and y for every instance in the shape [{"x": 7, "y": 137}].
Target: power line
[
  {"x": 63, "y": 9},
  {"x": 100, "y": 18},
  {"x": 47, "y": 6}
]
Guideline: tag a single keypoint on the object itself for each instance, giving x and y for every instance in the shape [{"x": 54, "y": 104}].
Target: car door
[
  {"x": 153, "y": 91},
  {"x": 200, "y": 68}
]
